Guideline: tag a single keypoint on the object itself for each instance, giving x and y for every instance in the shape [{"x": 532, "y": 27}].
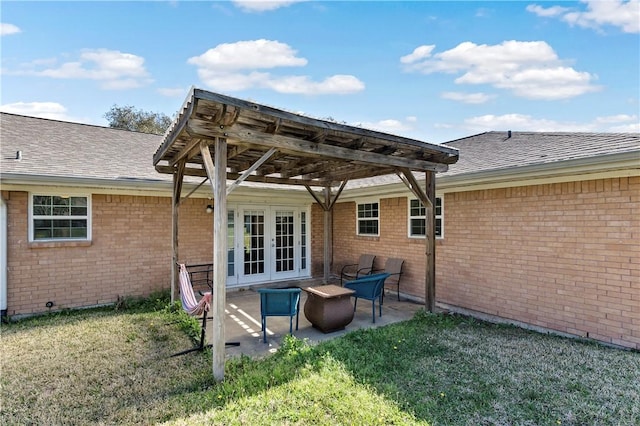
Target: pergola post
[
  {"x": 430, "y": 237},
  {"x": 327, "y": 207},
  {"x": 218, "y": 176},
  {"x": 428, "y": 200},
  {"x": 178, "y": 175},
  {"x": 328, "y": 240}
]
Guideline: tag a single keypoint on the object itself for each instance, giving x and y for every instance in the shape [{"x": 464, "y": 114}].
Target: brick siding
[
  {"x": 563, "y": 256},
  {"x": 129, "y": 255}
]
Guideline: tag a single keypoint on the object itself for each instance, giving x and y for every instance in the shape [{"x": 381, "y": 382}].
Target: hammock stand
[{"x": 194, "y": 308}]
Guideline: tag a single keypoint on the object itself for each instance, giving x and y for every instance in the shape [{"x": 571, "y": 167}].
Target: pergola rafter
[{"x": 227, "y": 139}]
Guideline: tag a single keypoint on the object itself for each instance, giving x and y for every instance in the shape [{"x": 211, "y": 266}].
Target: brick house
[
  {"x": 538, "y": 229},
  {"x": 535, "y": 228}
]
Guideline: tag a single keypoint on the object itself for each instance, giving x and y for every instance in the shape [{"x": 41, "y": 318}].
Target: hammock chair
[{"x": 195, "y": 307}]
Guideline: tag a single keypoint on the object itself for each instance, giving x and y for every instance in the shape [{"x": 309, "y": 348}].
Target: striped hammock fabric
[{"x": 189, "y": 302}]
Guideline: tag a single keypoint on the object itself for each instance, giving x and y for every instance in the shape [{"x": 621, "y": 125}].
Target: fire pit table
[{"x": 328, "y": 307}]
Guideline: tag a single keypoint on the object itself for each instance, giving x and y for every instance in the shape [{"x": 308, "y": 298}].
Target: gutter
[{"x": 143, "y": 187}]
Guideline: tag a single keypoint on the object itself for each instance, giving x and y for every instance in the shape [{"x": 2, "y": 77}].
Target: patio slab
[{"x": 242, "y": 321}]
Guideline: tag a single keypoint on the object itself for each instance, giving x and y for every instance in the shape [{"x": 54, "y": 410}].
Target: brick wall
[
  {"x": 562, "y": 256},
  {"x": 392, "y": 242},
  {"x": 129, "y": 255}
]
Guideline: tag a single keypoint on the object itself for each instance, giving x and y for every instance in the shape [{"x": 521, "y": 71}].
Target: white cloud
[
  {"x": 8, "y": 29},
  {"x": 524, "y": 122},
  {"x": 620, "y": 123},
  {"x": 620, "y": 118},
  {"x": 250, "y": 54},
  {"x": 420, "y": 52},
  {"x": 548, "y": 12},
  {"x": 626, "y": 128},
  {"x": 52, "y": 110},
  {"x": 337, "y": 84},
  {"x": 173, "y": 92},
  {"x": 467, "y": 98},
  {"x": 390, "y": 125},
  {"x": 263, "y": 5},
  {"x": 234, "y": 67},
  {"x": 618, "y": 13},
  {"x": 115, "y": 70},
  {"x": 528, "y": 69}
]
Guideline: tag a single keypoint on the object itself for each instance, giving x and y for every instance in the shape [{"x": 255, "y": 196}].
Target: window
[
  {"x": 368, "y": 219},
  {"x": 55, "y": 217},
  {"x": 417, "y": 218}
]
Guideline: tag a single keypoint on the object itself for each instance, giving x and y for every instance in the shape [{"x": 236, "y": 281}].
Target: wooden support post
[
  {"x": 219, "y": 258},
  {"x": 430, "y": 237},
  {"x": 218, "y": 176},
  {"x": 178, "y": 176},
  {"x": 328, "y": 243}
]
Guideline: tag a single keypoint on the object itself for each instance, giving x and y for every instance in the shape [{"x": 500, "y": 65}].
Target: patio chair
[
  {"x": 195, "y": 307},
  {"x": 279, "y": 302},
  {"x": 363, "y": 267},
  {"x": 368, "y": 287},
  {"x": 393, "y": 267}
]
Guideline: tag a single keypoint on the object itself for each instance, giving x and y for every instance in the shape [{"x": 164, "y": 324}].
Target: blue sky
[{"x": 434, "y": 71}]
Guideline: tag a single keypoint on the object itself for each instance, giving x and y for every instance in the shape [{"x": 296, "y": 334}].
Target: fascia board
[{"x": 162, "y": 188}]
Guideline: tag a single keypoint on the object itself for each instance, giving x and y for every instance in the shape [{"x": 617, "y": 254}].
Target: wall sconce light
[{"x": 209, "y": 208}]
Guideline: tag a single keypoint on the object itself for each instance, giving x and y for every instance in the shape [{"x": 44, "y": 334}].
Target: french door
[{"x": 271, "y": 244}]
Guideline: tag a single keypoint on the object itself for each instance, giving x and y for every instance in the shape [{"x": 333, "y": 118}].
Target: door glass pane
[
  {"x": 231, "y": 265},
  {"x": 253, "y": 242},
  {"x": 303, "y": 241},
  {"x": 284, "y": 241}
]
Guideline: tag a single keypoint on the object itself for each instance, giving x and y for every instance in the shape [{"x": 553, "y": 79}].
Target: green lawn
[{"x": 112, "y": 367}]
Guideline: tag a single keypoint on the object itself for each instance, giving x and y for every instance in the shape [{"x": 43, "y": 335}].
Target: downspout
[{"x": 3, "y": 259}]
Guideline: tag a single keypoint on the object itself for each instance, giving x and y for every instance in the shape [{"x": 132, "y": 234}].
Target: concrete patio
[{"x": 242, "y": 321}]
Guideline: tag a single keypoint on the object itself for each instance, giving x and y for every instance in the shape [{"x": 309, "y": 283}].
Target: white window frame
[
  {"x": 359, "y": 219},
  {"x": 33, "y": 217},
  {"x": 438, "y": 217}
]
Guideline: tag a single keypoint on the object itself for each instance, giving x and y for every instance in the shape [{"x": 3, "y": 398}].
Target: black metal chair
[{"x": 353, "y": 271}]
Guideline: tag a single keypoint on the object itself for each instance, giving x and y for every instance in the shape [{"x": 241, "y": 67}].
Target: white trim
[
  {"x": 239, "y": 279},
  {"x": 3, "y": 254},
  {"x": 369, "y": 201},
  {"x": 248, "y": 191},
  {"x": 59, "y": 194},
  {"x": 440, "y": 216}
]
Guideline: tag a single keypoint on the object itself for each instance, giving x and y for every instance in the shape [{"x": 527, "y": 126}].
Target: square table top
[{"x": 329, "y": 291}]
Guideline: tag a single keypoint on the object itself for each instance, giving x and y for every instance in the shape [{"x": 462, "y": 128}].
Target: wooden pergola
[{"x": 229, "y": 141}]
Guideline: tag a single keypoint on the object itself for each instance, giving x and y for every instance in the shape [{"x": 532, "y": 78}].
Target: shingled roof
[
  {"x": 507, "y": 150},
  {"x": 59, "y": 149},
  {"x": 512, "y": 153}
]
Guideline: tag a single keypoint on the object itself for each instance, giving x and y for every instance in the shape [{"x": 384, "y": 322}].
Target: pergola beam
[
  {"x": 250, "y": 170},
  {"x": 251, "y": 178},
  {"x": 243, "y": 134}
]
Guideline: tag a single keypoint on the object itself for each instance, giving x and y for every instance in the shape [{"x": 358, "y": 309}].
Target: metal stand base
[{"x": 202, "y": 346}]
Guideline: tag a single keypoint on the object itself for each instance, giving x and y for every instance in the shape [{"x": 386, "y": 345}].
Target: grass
[{"x": 110, "y": 366}]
